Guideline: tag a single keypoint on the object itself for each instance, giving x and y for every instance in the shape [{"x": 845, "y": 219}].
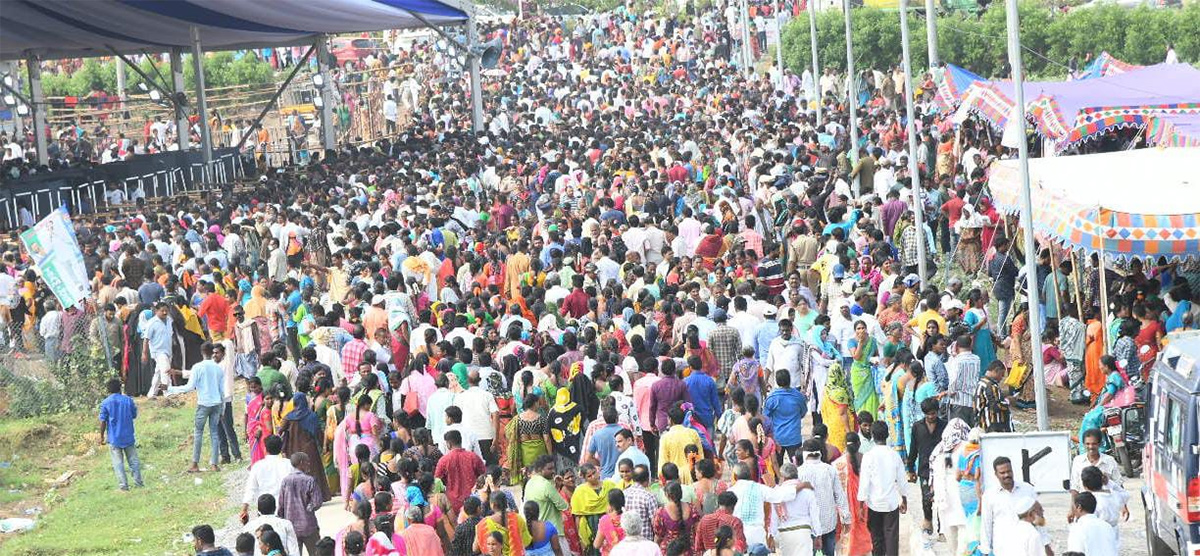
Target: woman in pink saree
[
  {"x": 258, "y": 419},
  {"x": 359, "y": 427}
]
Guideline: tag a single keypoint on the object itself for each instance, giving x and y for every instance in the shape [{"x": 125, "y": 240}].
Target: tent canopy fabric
[
  {"x": 70, "y": 28},
  {"x": 1070, "y": 111},
  {"x": 1129, "y": 204},
  {"x": 953, "y": 82},
  {"x": 1104, "y": 65},
  {"x": 1174, "y": 130}
]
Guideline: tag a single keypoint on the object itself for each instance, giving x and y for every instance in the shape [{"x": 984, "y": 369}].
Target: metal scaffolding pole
[
  {"x": 911, "y": 131},
  {"x": 473, "y": 70},
  {"x": 778, "y": 43},
  {"x": 14, "y": 70},
  {"x": 852, "y": 96},
  {"x": 120, "y": 80},
  {"x": 1031, "y": 293},
  {"x": 178, "y": 86},
  {"x": 202, "y": 100},
  {"x": 747, "y": 52},
  {"x": 37, "y": 108},
  {"x": 328, "y": 130},
  {"x": 931, "y": 34},
  {"x": 816, "y": 71}
]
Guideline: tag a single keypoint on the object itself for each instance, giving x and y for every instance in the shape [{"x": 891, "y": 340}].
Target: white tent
[{"x": 1137, "y": 203}]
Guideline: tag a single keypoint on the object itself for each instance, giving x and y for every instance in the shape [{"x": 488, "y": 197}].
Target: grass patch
[{"x": 90, "y": 515}]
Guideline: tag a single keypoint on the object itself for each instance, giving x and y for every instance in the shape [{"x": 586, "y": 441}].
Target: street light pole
[
  {"x": 816, "y": 72},
  {"x": 747, "y": 52},
  {"x": 1031, "y": 293},
  {"x": 852, "y": 99},
  {"x": 911, "y": 131},
  {"x": 778, "y": 43},
  {"x": 931, "y": 32}
]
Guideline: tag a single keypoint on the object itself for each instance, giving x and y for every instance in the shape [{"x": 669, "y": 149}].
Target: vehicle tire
[
  {"x": 1121, "y": 453},
  {"x": 1154, "y": 545}
]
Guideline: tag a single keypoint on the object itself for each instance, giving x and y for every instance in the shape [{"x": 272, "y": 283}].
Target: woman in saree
[
  {"x": 893, "y": 392},
  {"x": 566, "y": 426},
  {"x": 334, "y": 413},
  {"x": 609, "y": 532},
  {"x": 512, "y": 527},
  {"x": 258, "y": 419},
  {"x": 917, "y": 389},
  {"x": 589, "y": 503},
  {"x": 301, "y": 432},
  {"x": 858, "y": 541},
  {"x": 835, "y": 407},
  {"x": 675, "y": 519},
  {"x": 528, "y": 438},
  {"x": 862, "y": 379},
  {"x": 1094, "y": 374},
  {"x": 976, "y": 318},
  {"x": 543, "y": 534},
  {"x": 970, "y": 489},
  {"x": 360, "y": 427}
]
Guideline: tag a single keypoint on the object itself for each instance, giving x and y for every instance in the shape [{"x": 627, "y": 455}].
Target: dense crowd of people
[{"x": 598, "y": 327}]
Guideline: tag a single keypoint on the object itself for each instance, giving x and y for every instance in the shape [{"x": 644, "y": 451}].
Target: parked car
[
  {"x": 348, "y": 50},
  {"x": 1171, "y": 461}
]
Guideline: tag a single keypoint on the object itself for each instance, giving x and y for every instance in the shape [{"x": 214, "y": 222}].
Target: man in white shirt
[
  {"x": 281, "y": 526},
  {"x": 801, "y": 517},
  {"x": 453, "y": 416},
  {"x": 745, "y": 323},
  {"x": 828, "y": 493},
  {"x": 481, "y": 415},
  {"x": 1091, "y": 457},
  {"x": 750, "y": 498},
  {"x": 266, "y": 475},
  {"x": 1089, "y": 534},
  {"x": 1110, "y": 497},
  {"x": 882, "y": 492},
  {"x": 999, "y": 503},
  {"x": 783, "y": 353}
]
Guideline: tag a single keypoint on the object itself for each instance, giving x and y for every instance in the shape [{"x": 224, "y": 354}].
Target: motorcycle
[{"x": 1125, "y": 431}]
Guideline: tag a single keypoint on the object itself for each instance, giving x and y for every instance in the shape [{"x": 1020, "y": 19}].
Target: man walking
[
  {"x": 208, "y": 380},
  {"x": 829, "y": 493},
  {"x": 299, "y": 499},
  {"x": 786, "y": 406},
  {"x": 156, "y": 346},
  {"x": 882, "y": 493},
  {"x": 117, "y": 413}
]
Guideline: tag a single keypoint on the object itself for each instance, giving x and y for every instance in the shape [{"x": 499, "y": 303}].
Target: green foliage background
[
  {"x": 978, "y": 41},
  {"x": 220, "y": 70}
]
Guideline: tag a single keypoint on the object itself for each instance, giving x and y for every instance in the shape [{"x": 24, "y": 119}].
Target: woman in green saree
[
  {"x": 528, "y": 437},
  {"x": 862, "y": 379}
]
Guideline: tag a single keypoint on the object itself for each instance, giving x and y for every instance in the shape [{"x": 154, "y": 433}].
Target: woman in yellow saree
[
  {"x": 835, "y": 406},
  {"x": 510, "y": 525},
  {"x": 589, "y": 503}
]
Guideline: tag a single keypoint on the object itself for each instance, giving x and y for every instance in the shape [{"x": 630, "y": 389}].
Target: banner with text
[{"x": 52, "y": 246}]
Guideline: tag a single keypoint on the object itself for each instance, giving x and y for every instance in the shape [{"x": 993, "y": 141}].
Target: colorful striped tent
[
  {"x": 952, "y": 81},
  {"x": 1178, "y": 130},
  {"x": 1072, "y": 111},
  {"x": 1104, "y": 65},
  {"x": 1128, "y": 204}
]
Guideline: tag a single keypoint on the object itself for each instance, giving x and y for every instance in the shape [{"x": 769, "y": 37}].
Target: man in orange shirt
[{"x": 215, "y": 311}]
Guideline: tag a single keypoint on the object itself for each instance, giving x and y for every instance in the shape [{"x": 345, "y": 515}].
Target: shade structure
[
  {"x": 952, "y": 82},
  {"x": 1129, "y": 204},
  {"x": 73, "y": 28},
  {"x": 1071, "y": 111},
  {"x": 1174, "y": 130},
  {"x": 1104, "y": 65}
]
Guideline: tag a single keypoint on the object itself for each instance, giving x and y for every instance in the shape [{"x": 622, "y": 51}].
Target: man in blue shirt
[
  {"x": 767, "y": 331},
  {"x": 603, "y": 446},
  {"x": 208, "y": 380},
  {"x": 786, "y": 407},
  {"x": 703, "y": 390},
  {"x": 117, "y": 413}
]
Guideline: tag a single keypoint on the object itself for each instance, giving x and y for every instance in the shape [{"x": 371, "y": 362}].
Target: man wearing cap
[{"x": 1021, "y": 537}]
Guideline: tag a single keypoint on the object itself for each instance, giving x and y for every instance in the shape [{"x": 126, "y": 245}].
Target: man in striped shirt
[{"x": 962, "y": 372}]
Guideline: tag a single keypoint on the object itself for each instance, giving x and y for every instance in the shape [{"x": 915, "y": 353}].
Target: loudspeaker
[{"x": 489, "y": 53}]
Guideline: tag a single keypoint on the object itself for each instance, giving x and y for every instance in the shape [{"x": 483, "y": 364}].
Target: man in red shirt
[
  {"x": 458, "y": 470},
  {"x": 706, "y": 530},
  {"x": 215, "y": 310},
  {"x": 576, "y": 302}
]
